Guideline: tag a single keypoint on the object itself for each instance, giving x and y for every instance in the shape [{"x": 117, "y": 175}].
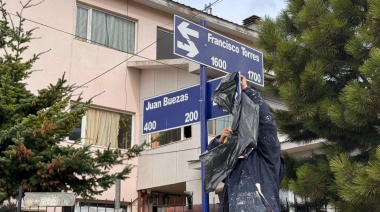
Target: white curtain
[
  {"x": 113, "y": 31},
  {"x": 98, "y": 28},
  {"x": 102, "y": 127},
  {"x": 81, "y": 22}
]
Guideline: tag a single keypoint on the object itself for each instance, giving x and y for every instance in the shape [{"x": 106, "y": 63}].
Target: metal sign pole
[
  {"x": 204, "y": 133},
  {"x": 201, "y": 45}
]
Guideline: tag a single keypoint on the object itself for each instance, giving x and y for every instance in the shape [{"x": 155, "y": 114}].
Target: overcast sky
[{"x": 238, "y": 10}]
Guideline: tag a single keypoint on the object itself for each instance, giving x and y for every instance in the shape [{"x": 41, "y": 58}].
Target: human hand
[
  {"x": 243, "y": 82},
  {"x": 225, "y": 132}
]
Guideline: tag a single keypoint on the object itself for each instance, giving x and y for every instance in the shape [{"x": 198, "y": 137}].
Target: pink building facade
[{"x": 121, "y": 52}]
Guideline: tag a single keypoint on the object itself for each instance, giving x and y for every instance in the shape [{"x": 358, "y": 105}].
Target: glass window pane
[
  {"x": 121, "y": 33},
  {"x": 76, "y": 132},
  {"x": 98, "y": 28},
  {"x": 171, "y": 136},
  {"x": 164, "y": 47},
  {"x": 112, "y": 31},
  {"x": 131, "y": 34},
  {"x": 222, "y": 123},
  {"x": 81, "y": 22},
  {"x": 210, "y": 127},
  {"x": 102, "y": 127},
  {"x": 125, "y": 131}
]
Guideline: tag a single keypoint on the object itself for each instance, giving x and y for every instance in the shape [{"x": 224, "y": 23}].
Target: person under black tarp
[{"x": 247, "y": 155}]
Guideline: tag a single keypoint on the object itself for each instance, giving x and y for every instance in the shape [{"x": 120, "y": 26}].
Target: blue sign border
[
  {"x": 213, "y": 111},
  {"x": 209, "y": 52}
]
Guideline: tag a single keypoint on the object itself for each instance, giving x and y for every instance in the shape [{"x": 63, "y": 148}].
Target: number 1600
[{"x": 219, "y": 63}]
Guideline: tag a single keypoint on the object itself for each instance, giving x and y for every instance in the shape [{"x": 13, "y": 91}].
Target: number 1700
[{"x": 253, "y": 76}]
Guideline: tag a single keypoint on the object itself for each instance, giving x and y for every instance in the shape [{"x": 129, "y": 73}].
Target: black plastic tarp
[{"x": 220, "y": 161}]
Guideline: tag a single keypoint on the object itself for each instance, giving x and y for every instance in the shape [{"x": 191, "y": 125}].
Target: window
[
  {"x": 105, "y": 206},
  {"x": 103, "y": 128},
  {"x": 105, "y": 29},
  {"x": 169, "y": 136},
  {"x": 216, "y": 126},
  {"x": 77, "y": 132},
  {"x": 165, "y": 45},
  {"x": 124, "y": 137}
]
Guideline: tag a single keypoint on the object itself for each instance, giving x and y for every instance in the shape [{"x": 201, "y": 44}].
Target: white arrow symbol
[
  {"x": 185, "y": 32},
  {"x": 191, "y": 48}
]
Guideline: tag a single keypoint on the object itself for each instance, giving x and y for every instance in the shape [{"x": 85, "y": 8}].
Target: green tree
[
  {"x": 33, "y": 126},
  {"x": 325, "y": 57}
]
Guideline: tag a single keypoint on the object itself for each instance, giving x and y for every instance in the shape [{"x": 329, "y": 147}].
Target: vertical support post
[
  {"x": 19, "y": 200},
  {"x": 117, "y": 194},
  {"x": 204, "y": 133}
]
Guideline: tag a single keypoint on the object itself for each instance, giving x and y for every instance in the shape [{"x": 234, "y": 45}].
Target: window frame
[
  {"x": 82, "y": 132},
  {"x": 213, "y": 123},
  {"x": 89, "y": 27},
  {"x": 182, "y": 136},
  {"x": 132, "y": 127},
  {"x": 84, "y": 122}
]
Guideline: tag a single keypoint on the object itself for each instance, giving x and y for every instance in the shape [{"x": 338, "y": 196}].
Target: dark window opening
[
  {"x": 76, "y": 132},
  {"x": 165, "y": 45},
  {"x": 187, "y": 132},
  {"x": 171, "y": 136},
  {"x": 125, "y": 131}
]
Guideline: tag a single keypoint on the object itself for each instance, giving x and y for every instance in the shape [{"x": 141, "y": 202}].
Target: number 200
[{"x": 191, "y": 116}]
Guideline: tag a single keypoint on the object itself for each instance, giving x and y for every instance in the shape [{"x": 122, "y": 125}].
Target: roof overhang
[
  {"x": 180, "y": 63},
  {"x": 196, "y": 16}
]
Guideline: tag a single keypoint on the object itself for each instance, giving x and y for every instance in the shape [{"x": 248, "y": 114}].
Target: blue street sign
[
  {"x": 213, "y": 111},
  {"x": 211, "y": 49},
  {"x": 178, "y": 108}
]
